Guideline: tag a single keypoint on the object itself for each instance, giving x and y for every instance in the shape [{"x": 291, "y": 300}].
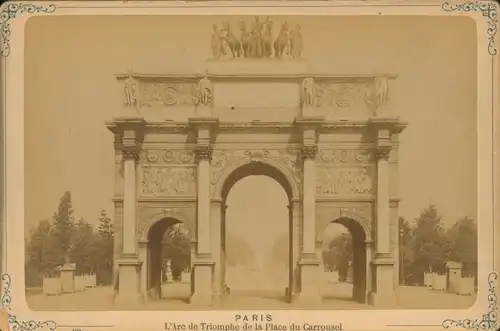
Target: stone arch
[
  {"x": 179, "y": 217},
  {"x": 340, "y": 215},
  {"x": 251, "y": 166}
]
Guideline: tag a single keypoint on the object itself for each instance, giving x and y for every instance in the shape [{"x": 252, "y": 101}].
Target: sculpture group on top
[{"x": 258, "y": 41}]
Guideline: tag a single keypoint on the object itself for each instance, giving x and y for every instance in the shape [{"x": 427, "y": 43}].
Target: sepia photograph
[{"x": 242, "y": 162}]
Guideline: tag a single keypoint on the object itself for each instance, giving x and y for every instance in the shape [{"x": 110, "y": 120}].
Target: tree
[
  {"x": 429, "y": 244},
  {"x": 406, "y": 251},
  {"x": 105, "y": 244},
  {"x": 84, "y": 250},
  {"x": 63, "y": 230},
  {"x": 463, "y": 244},
  {"x": 37, "y": 258},
  {"x": 341, "y": 253}
]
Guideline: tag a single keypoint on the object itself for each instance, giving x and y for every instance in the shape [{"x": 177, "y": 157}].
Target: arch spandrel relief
[
  {"x": 223, "y": 161},
  {"x": 151, "y": 212},
  {"x": 361, "y": 212}
]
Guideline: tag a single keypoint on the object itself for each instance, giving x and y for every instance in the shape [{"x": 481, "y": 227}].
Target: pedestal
[
  {"x": 203, "y": 270},
  {"x": 383, "y": 295},
  {"x": 310, "y": 286},
  {"x": 129, "y": 293}
]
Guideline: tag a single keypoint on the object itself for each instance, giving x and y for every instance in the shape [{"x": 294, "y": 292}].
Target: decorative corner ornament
[
  {"x": 488, "y": 8},
  {"x": 14, "y": 324},
  {"x": 489, "y": 320},
  {"x": 9, "y": 12}
]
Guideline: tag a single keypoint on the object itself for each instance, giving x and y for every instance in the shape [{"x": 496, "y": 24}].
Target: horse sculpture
[
  {"x": 232, "y": 42},
  {"x": 281, "y": 44},
  {"x": 245, "y": 40}
]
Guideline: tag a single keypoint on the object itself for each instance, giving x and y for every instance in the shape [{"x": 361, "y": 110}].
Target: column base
[
  {"x": 309, "y": 295},
  {"x": 203, "y": 272},
  {"x": 382, "y": 300},
  {"x": 129, "y": 294},
  {"x": 384, "y": 294}
]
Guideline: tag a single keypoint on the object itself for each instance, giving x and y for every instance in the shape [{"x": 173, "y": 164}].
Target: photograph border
[{"x": 10, "y": 10}]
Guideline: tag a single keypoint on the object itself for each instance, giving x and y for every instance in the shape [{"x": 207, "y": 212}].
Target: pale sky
[{"x": 71, "y": 91}]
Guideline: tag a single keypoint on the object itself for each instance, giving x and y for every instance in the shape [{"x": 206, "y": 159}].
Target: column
[
  {"x": 309, "y": 262},
  {"x": 129, "y": 287},
  {"x": 216, "y": 220},
  {"x": 203, "y": 263},
  {"x": 129, "y": 201},
  {"x": 296, "y": 239},
  {"x": 369, "y": 280},
  {"x": 383, "y": 293}
]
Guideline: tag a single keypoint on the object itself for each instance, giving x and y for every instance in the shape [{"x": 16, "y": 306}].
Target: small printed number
[{"x": 77, "y": 329}]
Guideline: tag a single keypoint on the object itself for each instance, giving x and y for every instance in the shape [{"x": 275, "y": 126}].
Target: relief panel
[
  {"x": 167, "y": 156},
  {"x": 221, "y": 159},
  {"x": 168, "y": 94},
  {"x": 168, "y": 181},
  {"x": 344, "y": 181}
]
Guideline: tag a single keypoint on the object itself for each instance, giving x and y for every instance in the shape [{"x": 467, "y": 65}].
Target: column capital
[
  {"x": 382, "y": 152},
  {"x": 130, "y": 153},
  {"x": 309, "y": 152},
  {"x": 203, "y": 153}
]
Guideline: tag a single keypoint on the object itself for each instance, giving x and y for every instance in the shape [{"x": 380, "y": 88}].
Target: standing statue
[
  {"x": 296, "y": 45},
  {"x": 267, "y": 39},
  {"x": 381, "y": 90},
  {"x": 308, "y": 92},
  {"x": 256, "y": 48},
  {"x": 205, "y": 90},
  {"x": 281, "y": 44},
  {"x": 130, "y": 90},
  {"x": 217, "y": 42}
]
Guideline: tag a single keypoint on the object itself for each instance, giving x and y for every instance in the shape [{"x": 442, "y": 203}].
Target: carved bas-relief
[
  {"x": 168, "y": 156},
  {"x": 130, "y": 90},
  {"x": 171, "y": 94},
  {"x": 258, "y": 41},
  {"x": 345, "y": 156},
  {"x": 341, "y": 181},
  {"x": 225, "y": 159},
  {"x": 362, "y": 93},
  {"x": 169, "y": 181}
]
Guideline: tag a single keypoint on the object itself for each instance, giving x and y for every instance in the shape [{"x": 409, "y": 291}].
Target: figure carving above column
[
  {"x": 205, "y": 91},
  {"x": 131, "y": 90},
  {"x": 309, "y": 92}
]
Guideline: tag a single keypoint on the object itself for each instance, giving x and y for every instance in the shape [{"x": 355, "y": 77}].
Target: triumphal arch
[{"x": 330, "y": 139}]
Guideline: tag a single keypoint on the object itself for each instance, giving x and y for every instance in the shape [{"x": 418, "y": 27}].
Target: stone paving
[{"x": 176, "y": 296}]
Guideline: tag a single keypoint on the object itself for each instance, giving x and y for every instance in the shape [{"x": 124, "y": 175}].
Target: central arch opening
[{"x": 256, "y": 233}]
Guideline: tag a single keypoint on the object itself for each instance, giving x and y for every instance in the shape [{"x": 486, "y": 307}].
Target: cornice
[{"x": 242, "y": 76}]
